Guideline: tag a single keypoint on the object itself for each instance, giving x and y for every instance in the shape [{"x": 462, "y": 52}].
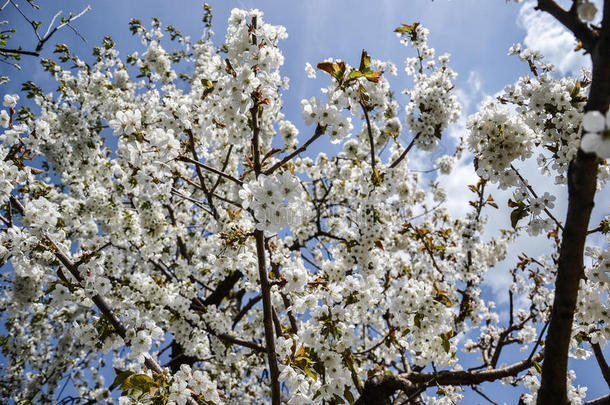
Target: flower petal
[
  {"x": 593, "y": 121},
  {"x": 589, "y": 143}
]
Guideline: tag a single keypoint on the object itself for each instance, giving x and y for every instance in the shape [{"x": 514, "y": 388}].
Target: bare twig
[
  {"x": 603, "y": 365},
  {"x": 531, "y": 190},
  {"x": 404, "y": 153},
  {"x": 571, "y": 21},
  {"x": 318, "y": 133},
  {"x": 207, "y": 193},
  {"x": 210, "y": 169}
]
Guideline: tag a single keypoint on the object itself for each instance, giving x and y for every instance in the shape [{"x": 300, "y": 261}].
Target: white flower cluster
[
  {"x": 497, "y": 138},
  {"x": 314, "y": 111},
  {"x": 432, "y": 106},
  {"x": 274, "y": 200}
]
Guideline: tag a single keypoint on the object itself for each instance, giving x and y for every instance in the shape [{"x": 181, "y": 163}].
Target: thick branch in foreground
[
  {"x": 582, "y": 182},
  {"x": 378, "y": 389},
  {"x": 570, "y": 20},
  {"x": 605, "y": 400}
]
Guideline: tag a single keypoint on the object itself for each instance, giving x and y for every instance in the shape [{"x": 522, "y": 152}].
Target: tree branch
[
  {"x": 404, "y": 153},
  {"x": 262, "y": 265},
  {"x": 582, "y": 183},
  {"x": 210, "y": 169},
  {"x": 370, "y": 133},
  {"x": 318, "y": 133},
  {"x": 378, "y": 389},
  {"x": 603, "y": 365},
  {"x": 570, "y": 20},
  {"x": 207, "y": 193},
  {"x": 104, "y": 308}
]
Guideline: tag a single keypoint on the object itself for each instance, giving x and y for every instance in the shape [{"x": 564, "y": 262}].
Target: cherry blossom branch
[
  {"x": 502, "y": 339},
  {"x": 238, "y": 205},
  {"x": 582, "y": 186},
  {"x": 318, "y": 133},
  {"x": 259, "y": 235},
  {"x": 246, "y": 308}
]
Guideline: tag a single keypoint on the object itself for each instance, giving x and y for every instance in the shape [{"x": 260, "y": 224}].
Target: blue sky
[{"x": 477, "y": 33}]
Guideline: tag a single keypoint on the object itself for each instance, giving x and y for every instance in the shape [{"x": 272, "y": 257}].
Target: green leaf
[
  {"x": 309, "y": 371},
  {"x": 349, "y": 396},
  {"x": 353, "y": 75},
  {"x": 445, "y": 342},
  {"x": 517, "y": 214},
  {"x": 335, "y": 69},
  {"x": 537, "y": 367},
  {"x": 137, "y": 381},
  {"x": 407, "y": 28},
  {"x": 120, "y": 377},
  {"x": 418, "y": 318},
  {"x": 365, "y": 61}
]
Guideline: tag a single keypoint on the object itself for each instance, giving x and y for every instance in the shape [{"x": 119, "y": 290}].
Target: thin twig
[
  {"x": 370, "y": 133},
  {"x": 531, "y": 190},
  {"x": 210, "y": 169},
  {"x": 207, "y": 193},
  {"x": 318, "y": 133},
  {"x": 404, "y": 153}
]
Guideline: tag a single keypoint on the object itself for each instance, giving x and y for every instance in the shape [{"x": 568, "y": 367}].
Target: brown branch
[
  {"x": 531, "y": 190},
  {"x": 378, "y": 389},
  {"x": 582, "y": 183},
  {"x": 571, "y": 21},
  {"x": 252, "y": 302},
  {"x": 404, "y": 153},
  {"x": 6, "y": 51},
  {"x": 224, "y": 167},
  {"x": 232, "y": 339},
  {"x": 504, "y": 335},
  {"x": 318, "y": 133},
  {"x": 210, "y": 169},
  {"x": 207, "y": 193},
  {"x": 605, "y": 400},
  {"x": 223, "y": 289},
  {"x": 370, "y": 133},
  {"x": 603, "y": 365},
  {"x": 259, "y": 235}
]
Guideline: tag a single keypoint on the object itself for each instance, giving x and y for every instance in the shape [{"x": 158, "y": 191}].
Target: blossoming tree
[{"x": 214, "y": 260}]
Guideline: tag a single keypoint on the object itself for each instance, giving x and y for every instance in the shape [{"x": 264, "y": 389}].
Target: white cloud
[
  {"x": 545, "y": 34},
  {"x": 471, "y": 95}
]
